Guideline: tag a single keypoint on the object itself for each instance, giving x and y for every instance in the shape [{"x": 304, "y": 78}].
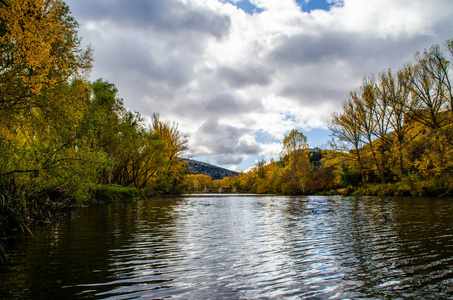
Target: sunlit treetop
[{"x": 39, "y": 46}]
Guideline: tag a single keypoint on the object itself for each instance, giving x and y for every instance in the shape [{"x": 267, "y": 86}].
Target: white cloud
[{"x": 237, "y": 82}]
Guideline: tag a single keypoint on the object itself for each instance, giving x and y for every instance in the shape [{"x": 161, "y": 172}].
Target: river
[{"x": 240, "y": 247}]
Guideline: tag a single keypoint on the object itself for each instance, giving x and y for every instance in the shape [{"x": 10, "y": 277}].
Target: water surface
[{"x": 241, "y": 247}]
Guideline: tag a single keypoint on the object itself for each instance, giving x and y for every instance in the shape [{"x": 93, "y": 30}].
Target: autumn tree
[
  {"x": 172, "y": 175},
  {"x": 346, "y": 127},
  {"x": 427, "y": 86},
  {"x": 196, "y": 182},
  {"x": 431, "y": 91},
  {"x": 49, "y": 147},
  {"x": 402, "y": 122},
  {"x": 137, "y": 154},
  {"x": 297, "y": 163},
  {"x": 370, "y": 113},
  {"x": 39, "y": 48},
  {"x": 393, "y": 89},
  {"x": 39, "y": 55},
  {"x": 331, "y": 172}
]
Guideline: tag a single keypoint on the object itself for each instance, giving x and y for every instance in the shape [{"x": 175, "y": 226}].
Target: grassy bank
[
  {"x": 107, "y": 193},
  {"x": 415, "y": 188}
]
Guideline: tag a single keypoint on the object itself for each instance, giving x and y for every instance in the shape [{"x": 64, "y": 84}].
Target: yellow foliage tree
[
  {"x": 39, "y": 49},
  {"x": 297, "y": 173},
  {"x": 196, "y": 182},
  {"x": 176, "y": 144}
]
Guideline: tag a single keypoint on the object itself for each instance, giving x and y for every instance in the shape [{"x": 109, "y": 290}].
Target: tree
[
  {"x": 40, "y": 110},
  {"x": 402, "y": 123},
  {"x": 297, "y": 163},
  {"x": 39, "y": 48},
  {"x": 137, "y": 155},
  {"x": 427, "y": 86},
  {"x": 393, "y": 90},
  {"x": 431, "y": 90},
  {"x": 348, "y": 129},
  {"x": 172, "y": 175},
  {"x": 369, "y": 112},
  {"x": 197, "y": 182},
  {"x": 50, "y": 147}
]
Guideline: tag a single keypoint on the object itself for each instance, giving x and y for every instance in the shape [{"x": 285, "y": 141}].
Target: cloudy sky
[{"x": 237, "y": 75}]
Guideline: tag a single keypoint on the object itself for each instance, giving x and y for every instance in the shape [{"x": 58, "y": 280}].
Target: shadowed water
[{"x": 241, "y": 247}]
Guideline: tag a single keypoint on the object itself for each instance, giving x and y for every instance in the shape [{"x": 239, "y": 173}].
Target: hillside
[{"x": 198, "y": 167}]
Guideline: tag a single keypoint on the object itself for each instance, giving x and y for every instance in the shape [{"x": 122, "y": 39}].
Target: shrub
[{"x": 107, "y": 193}]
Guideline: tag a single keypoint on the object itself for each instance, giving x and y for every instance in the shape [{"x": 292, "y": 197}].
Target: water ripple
[{"x": 254, "y": 248}]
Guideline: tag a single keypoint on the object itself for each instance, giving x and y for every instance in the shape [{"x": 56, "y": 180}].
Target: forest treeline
[
  {"x": 300, "y": 170},
  {"x": 64, "y": 139},
  {"x": 394, "y": 136},
  {"x": 399, "y": 126}
]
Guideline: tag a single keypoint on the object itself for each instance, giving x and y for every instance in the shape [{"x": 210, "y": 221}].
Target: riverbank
[
  {"x": 23, "y": 210},
  {"x": 409, "y": 188}
]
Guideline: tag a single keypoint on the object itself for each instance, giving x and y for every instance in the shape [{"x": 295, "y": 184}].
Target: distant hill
[{"x": 198, "y": 167}]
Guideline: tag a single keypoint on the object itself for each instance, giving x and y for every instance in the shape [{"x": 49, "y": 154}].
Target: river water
[{"x": 240, "y": 247}]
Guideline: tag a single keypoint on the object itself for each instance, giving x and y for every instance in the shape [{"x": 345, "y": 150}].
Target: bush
[
  {"x": 106, "y": 193},
  {"x": 349, "y": 178}
]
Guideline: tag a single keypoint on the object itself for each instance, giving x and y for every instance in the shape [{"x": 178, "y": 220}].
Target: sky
[{"x": 239, "y": 75}]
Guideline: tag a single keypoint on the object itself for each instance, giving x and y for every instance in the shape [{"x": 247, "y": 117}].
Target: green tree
[
  {"x": 39, "y": 110},
  {"x": 136, "y": 154}
]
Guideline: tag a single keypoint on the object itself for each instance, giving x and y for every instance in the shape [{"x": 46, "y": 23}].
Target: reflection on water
[{"x": 247, "y": 247}]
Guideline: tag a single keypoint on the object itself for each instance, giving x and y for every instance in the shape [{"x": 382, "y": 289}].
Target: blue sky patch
[
  {"x": 317, "y": 137},
  {"x": 310, "y": 5},
  {"x": 246, "y": 6}
]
